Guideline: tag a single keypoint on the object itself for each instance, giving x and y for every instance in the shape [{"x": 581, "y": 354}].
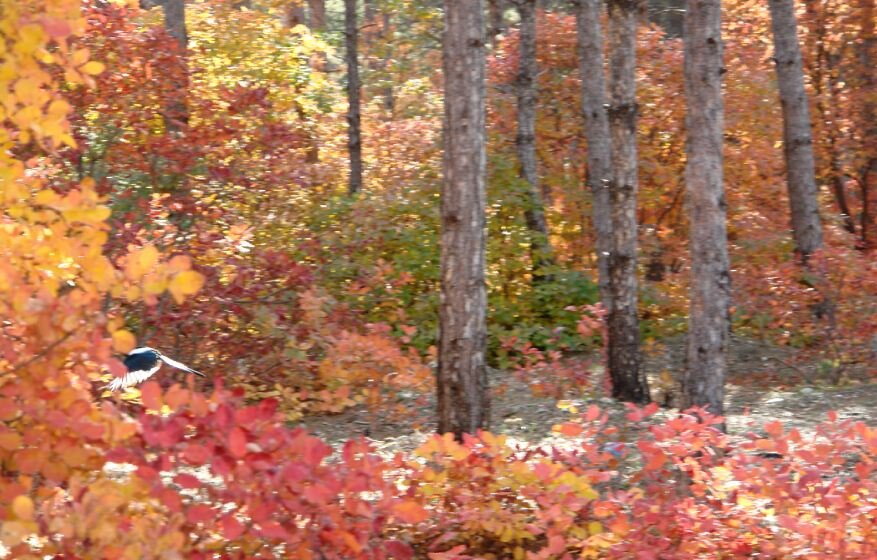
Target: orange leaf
[
  {"x": 569, "y": 429},
  {"x": 409, "y": 511},
  {"x": 23, "y": 508},
  {"x": 123, "y": 341}
]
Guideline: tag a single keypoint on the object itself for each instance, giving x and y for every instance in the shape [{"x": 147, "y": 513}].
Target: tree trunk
[
  {"x": 628, "y": 382},
  {"x": 797, "y": 136},
  {"x": 496, "y": 10},
  {"x": 534, "y": 214},
  {"x": 354, "y": 143},
  {"x": 823, "y": 79},
  {"x": 176, "y": 110},
  {"x": 590, "y": 45},
  {"x": 294, "y": 14},
  {"x": 703, "y": 382},
  {"x": 463, "y": 398},
  {"x": 867, "y": 52},
  {"x": 317, "y": 9}
]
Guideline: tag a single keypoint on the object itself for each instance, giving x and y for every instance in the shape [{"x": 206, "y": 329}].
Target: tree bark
[
  {"x": 596, "y": 118},
  {"x": 703, "y": 382},
  {"x": 628, "y": 381},
  {"x": 354, "y": 133},
  {"x": 317, "y": 9},
  {"x": 463, "y": 398},
  {"x": 534, "y": 214},
  {"x": 797, "y": 135}
]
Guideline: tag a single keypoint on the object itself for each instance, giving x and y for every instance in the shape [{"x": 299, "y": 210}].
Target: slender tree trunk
[
  {"x": 534, "y": 214},
  {"x": 628, "y": 381},
  {"x": 176, "y": 110},
  {"x": 590, "y": 45},
  {"x": 496, "y": 10},
  {"x": 354, "y": 143},
  {"x": 823, "y": 79},
  {"x": 867, "y": 51},
  {"x": 797, "y": 135},
  {"x": 463, "y": 398},
  {"x": 708, "y": 319}
]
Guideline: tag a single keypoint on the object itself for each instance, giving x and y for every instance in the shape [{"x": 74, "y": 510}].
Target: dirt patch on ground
[{"x": 765, "y": 383}]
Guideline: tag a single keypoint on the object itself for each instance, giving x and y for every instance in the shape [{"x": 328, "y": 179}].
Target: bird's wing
[
  {"x": 178, "y": 365},
  {"x": 132, "y": 378}
]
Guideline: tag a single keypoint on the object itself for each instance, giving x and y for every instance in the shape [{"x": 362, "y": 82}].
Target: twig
[{"x": 42, "y": 353}]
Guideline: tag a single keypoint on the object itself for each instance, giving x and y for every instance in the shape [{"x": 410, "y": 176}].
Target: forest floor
[{"x": 764, "y": 384}]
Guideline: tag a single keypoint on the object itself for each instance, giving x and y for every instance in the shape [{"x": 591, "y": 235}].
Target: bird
[{"x": 142, "y": 363}]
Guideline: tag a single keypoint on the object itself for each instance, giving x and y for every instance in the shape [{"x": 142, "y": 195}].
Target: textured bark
[
  {"x": 628, "y": 381},
  {"x": 797, "y": 135},
  {"x": 463, "y": 398},
  {"x": 596, "y": 118},
  {"x": 534, "y": 214},
  {"x": 354, "y": 133},
  {"x": 317, "y": 9},
  {"x": 703, "y": 382},
  {"x": 175, "y": 21}
]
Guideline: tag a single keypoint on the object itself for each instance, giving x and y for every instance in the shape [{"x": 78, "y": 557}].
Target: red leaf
[
  {"x": 195, "y": 454},
  {"x": 150, "y": 394},
  {"x": 274, "y": 530},
  {"x": 399, "y": 550},
  {"x": 318, "y": 494},
  {"x": 146, "y": 473},
  {"x": 199, "y": 513},
  {"x": 593, "y": 413},
  {"x": 187, "y": 481},
  {"x": 231, "y": 527},
  {"x": 237, "y": 442}
]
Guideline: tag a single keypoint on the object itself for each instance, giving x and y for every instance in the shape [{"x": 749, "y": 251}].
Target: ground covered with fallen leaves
[{"x": 766, "y": 383}]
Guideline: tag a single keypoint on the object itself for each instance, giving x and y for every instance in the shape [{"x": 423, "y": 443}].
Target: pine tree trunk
[
  {"x": 628, "y": 381},
  {"x": 534, "y": 214},
  {"x": 354, "y": 133},
  {"x": 463, "y": 398},
  {"x": 797, "y": 135},
  {"x": 710, "y": 292},
  {"x": 590, "y": 45}
]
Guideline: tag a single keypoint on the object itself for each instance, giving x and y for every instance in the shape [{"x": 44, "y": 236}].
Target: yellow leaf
[
  {"x": 123, "y": 341},
  {"x": 185, "y": 284},
  {"x": 147, "y": 258},
  {"x": 93, "y": 68},
  {"x": 22, "y": 507}
]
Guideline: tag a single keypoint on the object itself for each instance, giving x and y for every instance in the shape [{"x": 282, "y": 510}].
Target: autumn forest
[{"x": 438, "y": 279}]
